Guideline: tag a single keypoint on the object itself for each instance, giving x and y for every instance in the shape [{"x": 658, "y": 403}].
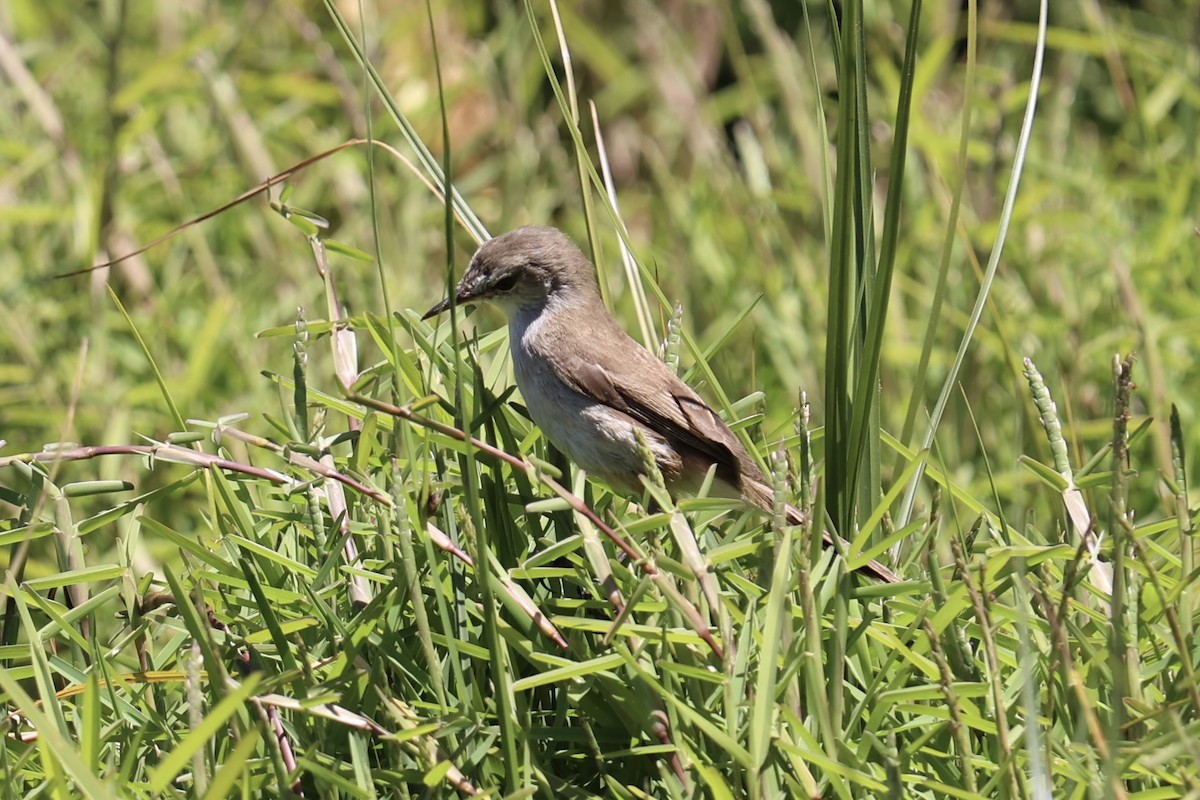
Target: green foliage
[{"x": 253, "y": 549}]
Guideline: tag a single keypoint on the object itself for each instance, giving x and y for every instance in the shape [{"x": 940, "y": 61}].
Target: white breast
[{"x": 597, "y": 438}]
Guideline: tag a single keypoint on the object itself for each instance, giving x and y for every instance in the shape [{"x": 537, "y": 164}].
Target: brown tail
[
  {"x": 873, "y": 568},
  {"x": 762, "y": 496}
]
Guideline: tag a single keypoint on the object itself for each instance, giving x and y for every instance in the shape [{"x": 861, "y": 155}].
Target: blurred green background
[{"x": 121, "y": 120}]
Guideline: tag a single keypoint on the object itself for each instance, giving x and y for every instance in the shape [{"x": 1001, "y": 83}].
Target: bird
[{"x": 589, "y": 386}]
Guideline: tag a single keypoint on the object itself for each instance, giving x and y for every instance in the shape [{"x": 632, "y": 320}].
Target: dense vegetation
[{"x": 247, "y": 549}]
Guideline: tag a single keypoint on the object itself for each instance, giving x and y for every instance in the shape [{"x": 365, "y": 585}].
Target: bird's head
[{"x": 525, "y": 269}]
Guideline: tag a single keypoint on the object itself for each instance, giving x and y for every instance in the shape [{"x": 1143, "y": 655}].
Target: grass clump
[{"x": 336, "y": 558}]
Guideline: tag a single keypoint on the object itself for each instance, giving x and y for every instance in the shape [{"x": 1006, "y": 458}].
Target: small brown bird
[{"x": 589, "y": 386}]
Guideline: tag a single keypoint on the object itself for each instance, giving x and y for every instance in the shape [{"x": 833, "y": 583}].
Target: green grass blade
[
  {"x": 217, "y": 720},
  {"x": 1010, "y": 198}
]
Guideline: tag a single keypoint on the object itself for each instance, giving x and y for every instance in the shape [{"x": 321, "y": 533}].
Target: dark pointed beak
[
  {"x": 463, "y": 294},
  {"x": 439, "y": 308},
  {"x": 467, "y": 291}
]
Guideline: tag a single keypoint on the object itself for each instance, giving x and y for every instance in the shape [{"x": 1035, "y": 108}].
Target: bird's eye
[{"x": 505, "y": 284}]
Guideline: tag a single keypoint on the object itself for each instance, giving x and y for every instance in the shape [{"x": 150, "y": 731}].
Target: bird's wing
[{"x": 660, "y": 401}]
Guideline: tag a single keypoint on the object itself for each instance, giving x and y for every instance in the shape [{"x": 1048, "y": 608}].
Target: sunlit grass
[{"x": 324, "y": 589}]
